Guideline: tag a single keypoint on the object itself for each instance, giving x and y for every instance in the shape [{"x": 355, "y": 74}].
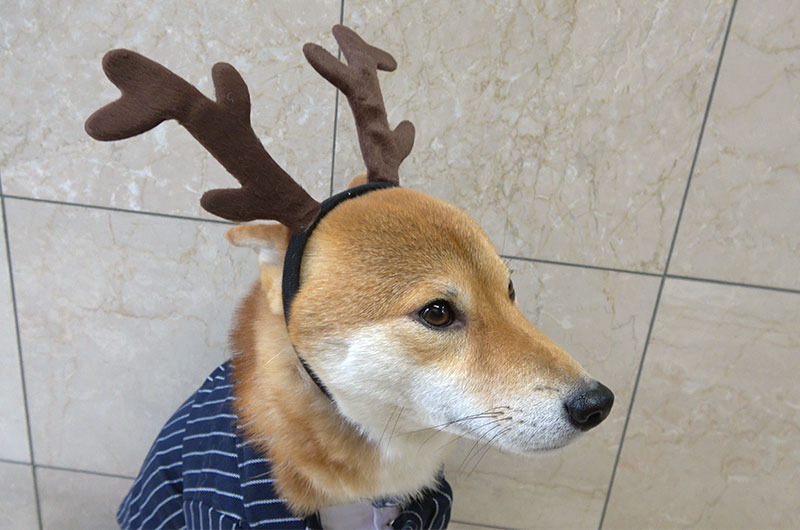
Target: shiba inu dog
[{"x": 383, "y": 326}]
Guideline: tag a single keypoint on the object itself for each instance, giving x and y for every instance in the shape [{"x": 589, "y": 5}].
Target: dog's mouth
[{"x": 540, "y": 426}]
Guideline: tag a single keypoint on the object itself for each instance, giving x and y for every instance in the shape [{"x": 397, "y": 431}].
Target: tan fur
[{"x": 375, "y": 261}]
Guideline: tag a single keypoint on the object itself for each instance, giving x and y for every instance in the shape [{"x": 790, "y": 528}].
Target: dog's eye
[
  {"x": 511, "y": 292},
  {"x": 438, "y": 314}
]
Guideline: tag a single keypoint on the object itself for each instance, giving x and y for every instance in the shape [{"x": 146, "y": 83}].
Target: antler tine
[
  {"x": 151, "y": 94},
  {"x": 382, "y": 148}
]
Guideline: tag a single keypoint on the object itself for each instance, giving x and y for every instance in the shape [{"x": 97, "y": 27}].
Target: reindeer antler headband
[{"x": 151, "y": 94}]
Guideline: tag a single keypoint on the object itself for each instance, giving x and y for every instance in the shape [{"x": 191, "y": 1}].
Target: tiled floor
[{"x": 637, "y": 162}]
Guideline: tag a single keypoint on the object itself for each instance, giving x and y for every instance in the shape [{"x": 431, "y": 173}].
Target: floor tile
[
  {"x": 566, "y": 129},
  {"x": 601, "y": 319},
  {"x": 122, "y": 317},
  {"x": 713, "y": 436},
  {"x": 13, "y": 429},
  {"x": 54, "y": 52},
  {"x": 17, "y": 500},
  {"x": 79, "y": 500},
  {"x": 742, "y": 220}
]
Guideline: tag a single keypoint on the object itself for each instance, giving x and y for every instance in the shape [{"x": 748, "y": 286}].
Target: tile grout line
[
  {"x": 62, "y": 468},
  {"x": 504, "y": 256},
  {"x": 84, "y": 471},
  {"x": 630, "y": 404},
  {"x": 336, "y": 108},
  {"x": 582, "y": 266},
  {"x": 333, "y": 152},
  {"x": 14, "y": 462},
  {"x": 119, "y": 210},
  {"x": 665, "y": 275},
  {"x": 700, "y": 138},
  {"x": 601, "y": 268},
  {"x": 19, "y": 355},
  {"x": 734, "y": 284}
]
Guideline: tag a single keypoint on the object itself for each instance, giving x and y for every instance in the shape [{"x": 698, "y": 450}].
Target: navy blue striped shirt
[{"x": 201, "y": 474}]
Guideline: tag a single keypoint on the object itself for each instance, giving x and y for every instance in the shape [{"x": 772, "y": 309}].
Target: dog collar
[{"x": 294, "y": 257}]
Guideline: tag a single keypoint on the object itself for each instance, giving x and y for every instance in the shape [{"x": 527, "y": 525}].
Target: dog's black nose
[{"x": 586, "y": 409}]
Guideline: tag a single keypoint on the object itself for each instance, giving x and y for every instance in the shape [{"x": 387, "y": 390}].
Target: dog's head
[{"x": 405, "y": 309}]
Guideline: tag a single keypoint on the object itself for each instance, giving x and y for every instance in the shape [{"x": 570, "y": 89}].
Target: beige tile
[
  {"x": 566, "y": 129},
  {"x": 52, "y": 53},
  {"x": 13, "y": 430},
  {"x": 713, "y": 437},
  {"x": 742, "y": 220},
  {"x": 17, "y": 500},
  {"x": 122, "y": 317},
  {"x": 79, "y": 500},
  {"x": 601, "y": 318}
]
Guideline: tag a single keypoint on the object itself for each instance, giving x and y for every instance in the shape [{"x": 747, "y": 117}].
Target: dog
[{"x": 383, "y": 327}]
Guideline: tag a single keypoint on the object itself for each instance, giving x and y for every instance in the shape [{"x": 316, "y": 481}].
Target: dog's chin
[
  {"x": 533, "y": 449},
  {"x": 523, "y": 443}
]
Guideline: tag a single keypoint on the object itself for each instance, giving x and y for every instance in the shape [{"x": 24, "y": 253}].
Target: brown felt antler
[
  {"x": 152, "y": 94},
  {"x": 382, "y": 148}
]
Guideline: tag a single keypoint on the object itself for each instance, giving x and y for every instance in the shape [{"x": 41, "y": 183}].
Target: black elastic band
[{"x": 294, "y": 257}]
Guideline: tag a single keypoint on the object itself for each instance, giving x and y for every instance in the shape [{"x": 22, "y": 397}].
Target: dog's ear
[
  {"x": 269, "y": 240},
  {"x": 358, "y": 181}
]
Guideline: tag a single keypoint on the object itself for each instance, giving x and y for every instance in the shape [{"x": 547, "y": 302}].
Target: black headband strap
[{"x": 294, "y": 257}]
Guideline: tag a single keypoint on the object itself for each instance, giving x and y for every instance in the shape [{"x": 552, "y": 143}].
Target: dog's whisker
[
  {"x": 447, "y": 424},
  {"x": 395, "y": 423},
  {"x": 457, "y": 438},
  {"x": 477, "y": 442},
  {"x": 470, "y": 453},
  {"x": 429, "y": 438},
  {"x": 388, "y": 421},
  {"x": 487, "y": 448}
]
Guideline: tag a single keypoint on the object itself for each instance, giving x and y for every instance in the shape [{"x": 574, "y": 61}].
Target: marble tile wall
[
  {"x": 657, "y": 244},
  {"x": 742, "y": 215},
  {"x": 714, "y": 443},
  {"x": 152, "y": 292},
  {"x": 566, "y": 128}
]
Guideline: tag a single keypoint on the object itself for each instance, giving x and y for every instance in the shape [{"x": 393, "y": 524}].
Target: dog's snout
[{"x": 587, "y": 408}]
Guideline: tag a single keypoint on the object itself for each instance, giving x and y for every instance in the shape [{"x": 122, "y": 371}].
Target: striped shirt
[{"x": 200, "y": 474}]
